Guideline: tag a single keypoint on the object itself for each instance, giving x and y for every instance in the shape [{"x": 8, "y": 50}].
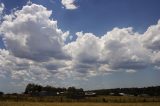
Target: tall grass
[
  {"x": 98, "y": 99},
  {"x": 76, "y": 104}
]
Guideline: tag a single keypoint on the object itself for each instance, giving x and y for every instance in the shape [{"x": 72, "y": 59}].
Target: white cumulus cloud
[
  {"x": 30, "y": 33},
  {"x": 36, "y": 49},
  {"x": 124, "y": 50},
  {"x": 69, "y": 4},
  {"x": 34, "y": 46},
  {"x": 1, "y": 8},
  {"x": 119, "y": 49}
]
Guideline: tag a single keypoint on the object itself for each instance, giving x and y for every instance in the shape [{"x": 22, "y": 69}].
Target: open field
[
  {"x": 76, "y": 104},
  {"x": 97, "y": 99},
  {"x": 87, "y": 101}
]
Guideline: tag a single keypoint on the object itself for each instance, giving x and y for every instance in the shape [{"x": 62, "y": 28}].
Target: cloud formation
[
  {"x": 30, "y": 33},
  {"x": 119, "y": 49},
  {"x": 36, "y": 49},
  {"x": 1, "y": 10},
  {"x": 34, "y": 45},
  {"x": 123, "y": 50},
  {"x": 1, "y": 7},
  {"x": 69, "y": 4}
]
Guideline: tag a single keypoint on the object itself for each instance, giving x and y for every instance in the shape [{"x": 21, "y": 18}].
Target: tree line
[
  {"x": 150, "y": 91},
  {"x": 38, "y": 90},
  {"x": 73, "y": 92}
]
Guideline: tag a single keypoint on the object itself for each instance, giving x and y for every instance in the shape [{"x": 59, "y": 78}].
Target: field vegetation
[
  {"x": 76, "y": 104},
  {"x": 37, "y": 95},
  {"x": 97, "y": 99}
]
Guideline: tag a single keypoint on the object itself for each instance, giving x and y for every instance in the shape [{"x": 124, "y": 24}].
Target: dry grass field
[
  {"x": 76, "y": 104},
  {"x": 88, "y": 101},
  {"x": 97, "y": 99}
]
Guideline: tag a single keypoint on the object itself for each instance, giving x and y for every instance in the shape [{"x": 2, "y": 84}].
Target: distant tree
[
  {"x": 74, "y": 93},
  {"x": 32, "y": 88},
  {"x": 150, "y": 91},
  {"x": 36, "y": 90},
  {"x": 1, "y": 93}
]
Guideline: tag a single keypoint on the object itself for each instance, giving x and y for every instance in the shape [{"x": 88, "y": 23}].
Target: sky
[{"x": 90, "y": 44}]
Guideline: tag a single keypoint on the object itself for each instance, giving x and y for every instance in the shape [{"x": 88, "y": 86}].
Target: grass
[
  {"x": 76, "y": 104},
  {"x": 99, "y": 99}
]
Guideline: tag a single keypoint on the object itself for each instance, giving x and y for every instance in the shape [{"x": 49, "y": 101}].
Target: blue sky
[
  {"x": 95, "y": 58},
  {"x": 99, "y": 16}
]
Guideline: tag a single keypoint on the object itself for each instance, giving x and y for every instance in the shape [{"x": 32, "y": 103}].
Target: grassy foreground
[{"x": 76, "y": 104}]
